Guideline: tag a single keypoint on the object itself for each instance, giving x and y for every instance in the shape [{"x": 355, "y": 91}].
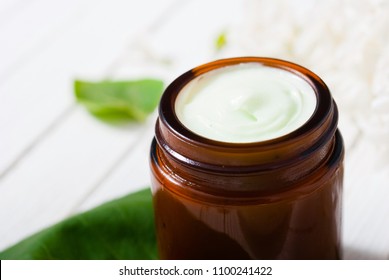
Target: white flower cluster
[{"x": 346, "y": 42}]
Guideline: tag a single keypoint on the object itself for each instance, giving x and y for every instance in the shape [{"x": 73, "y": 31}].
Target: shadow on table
[{"x": 362, "y": 254}]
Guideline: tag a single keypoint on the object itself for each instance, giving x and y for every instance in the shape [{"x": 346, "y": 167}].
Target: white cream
[{"x": 245, "y": 103}]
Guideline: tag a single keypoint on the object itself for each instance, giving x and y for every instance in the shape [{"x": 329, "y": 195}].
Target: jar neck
[
  {"x": 250, "y": 187},
  {"x": 276, "y": 163}
]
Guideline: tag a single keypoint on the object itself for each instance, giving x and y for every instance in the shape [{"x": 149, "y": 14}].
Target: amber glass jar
[{"x": 275, "y": 199}]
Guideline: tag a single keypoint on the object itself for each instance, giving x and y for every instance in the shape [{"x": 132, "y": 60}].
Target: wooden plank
[
  {"x": 9, "y": 8},
  {"x": 350, "y": 132},
  {"x": 188, "y": 39},
  {"x": 42, "y": 90},
  {"x": 33, "y": 27},
  {"x": 74, "y": 156},
  {"x": 45, "y": 185},
  {"x": 366, "y": 210},
  {"x": 130, "y": 175}
]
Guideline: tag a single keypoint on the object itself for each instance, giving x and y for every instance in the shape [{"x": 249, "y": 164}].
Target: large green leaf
[
  {"x": 132, "y": 100},
  {"x": 120, "y": 229}
]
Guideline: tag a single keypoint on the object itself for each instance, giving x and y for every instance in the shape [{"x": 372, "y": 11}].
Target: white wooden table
[{"x": 57, "y": 160}]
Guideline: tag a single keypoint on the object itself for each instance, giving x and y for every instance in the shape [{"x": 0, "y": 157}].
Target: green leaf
[
  {"x": 221, "y": 41},
  {"x": 120, "y": 229},
  {"x": 120, "y": 100}
]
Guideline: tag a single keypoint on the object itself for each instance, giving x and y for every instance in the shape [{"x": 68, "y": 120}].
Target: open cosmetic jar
[{"x": 247, "y": 163}]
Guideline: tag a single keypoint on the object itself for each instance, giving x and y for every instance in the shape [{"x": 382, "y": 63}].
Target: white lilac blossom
[{"x": 346, "y": 42}]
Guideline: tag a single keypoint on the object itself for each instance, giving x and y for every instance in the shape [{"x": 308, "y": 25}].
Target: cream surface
[{"x": 245, "y": 103}]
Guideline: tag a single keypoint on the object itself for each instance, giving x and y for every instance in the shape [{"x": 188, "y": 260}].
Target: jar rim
[{"x": 321, "y": 112}]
